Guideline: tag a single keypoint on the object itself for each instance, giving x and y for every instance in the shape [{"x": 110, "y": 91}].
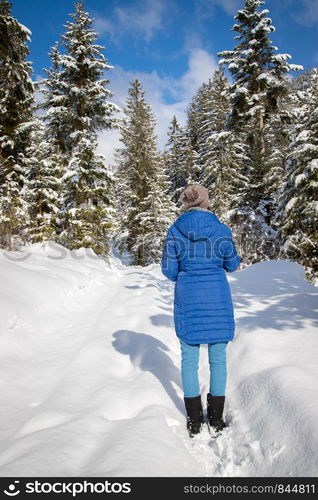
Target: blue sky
[{"x": 171, "y": 45}]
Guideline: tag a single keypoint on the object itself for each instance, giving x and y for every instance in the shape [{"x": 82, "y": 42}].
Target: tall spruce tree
[
  {"x": 221, "y": 150},
  {"x": 300, "y": 194},
  {"x": 196, "y": 112},
  {"x": 56, "y": 103},
  {"x": 75, "y": 92},
  {"x": 16, "y": 121},
  {"x": 260, "y": 84},
  {"x": 88, "y": 212},
  {"x": 215, "y": 108},
  {"x": 42, "y": 186},
  {"x": 299, "y": 110},
  {"x": 76, "y": 100},
  {"x": 142, "y": 186},
  {"x": 179, "y": 160}
]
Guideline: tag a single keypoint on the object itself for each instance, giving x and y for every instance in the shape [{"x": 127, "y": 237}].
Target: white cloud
[
  {"x": 143, "y": 19},
  {"x": 201, "y": 67},
  {"x": 160, "y": 91},
  {"x": 102, "y": 25}
]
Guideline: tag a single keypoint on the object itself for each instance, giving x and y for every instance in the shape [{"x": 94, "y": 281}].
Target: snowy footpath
[{"x": 90, "y": 372}]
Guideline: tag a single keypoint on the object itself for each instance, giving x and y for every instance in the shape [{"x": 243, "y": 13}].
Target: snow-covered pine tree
[
  {"x": 260, "y": 83},
  {"x": 157, "y": 212},
  {"x": 142, "y": 185},
  {"x": 301, "y": 82},
  {"x": 88, "y": 214},
  {"x": 76, "y": 96},
  {"x": 300, "y": 195},
  {"x": 212, "y": 118},
  {"x": 196, "y": 114},
  {"x": 278, "y": 131},
  {"x": 298, "y": 108},
  {"x": 78, "y": 106},
  {"x": 178, "y": 159},
  {"x": 43, "y": 185},
  {"x": 220, "y": 150},
  {"x": 16, "y": 101},
  {"x": 56, "y": 104}
]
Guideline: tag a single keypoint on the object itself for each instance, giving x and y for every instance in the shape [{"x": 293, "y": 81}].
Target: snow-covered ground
[{"x": 90, "y": 372}]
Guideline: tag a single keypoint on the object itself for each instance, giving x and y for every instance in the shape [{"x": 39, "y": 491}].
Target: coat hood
[{"x": 197, "y": 225}]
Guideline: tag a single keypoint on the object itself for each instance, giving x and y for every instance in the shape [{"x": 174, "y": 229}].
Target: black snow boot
[
  {"x": 215, "y": 406},
  {"x": 194, "y": 415}
]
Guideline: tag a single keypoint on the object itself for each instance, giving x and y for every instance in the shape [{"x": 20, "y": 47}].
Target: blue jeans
[{"x": 190, "y": 366}]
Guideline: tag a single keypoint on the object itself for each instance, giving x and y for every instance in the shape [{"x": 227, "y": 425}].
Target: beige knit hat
[{"x": 195, "y": 195}]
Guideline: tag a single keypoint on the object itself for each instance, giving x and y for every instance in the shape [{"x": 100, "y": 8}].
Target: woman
[{"x": 198, "y": 250}]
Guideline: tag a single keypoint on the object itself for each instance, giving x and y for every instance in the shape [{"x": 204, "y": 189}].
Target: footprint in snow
[{"x": 233, "y": 452}]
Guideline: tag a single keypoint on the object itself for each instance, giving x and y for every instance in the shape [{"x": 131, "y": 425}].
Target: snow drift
[{"x": 90, "y": 372}]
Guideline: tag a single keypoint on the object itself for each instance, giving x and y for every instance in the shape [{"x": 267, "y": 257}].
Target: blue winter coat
[{"x": 197, "y": 251}]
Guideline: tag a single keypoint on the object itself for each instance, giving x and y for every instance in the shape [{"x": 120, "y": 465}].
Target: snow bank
[
  {"x": 276, "y": 347},
  {"x": 90, "y": 372},
  {"x": 46, "y": 279}
]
